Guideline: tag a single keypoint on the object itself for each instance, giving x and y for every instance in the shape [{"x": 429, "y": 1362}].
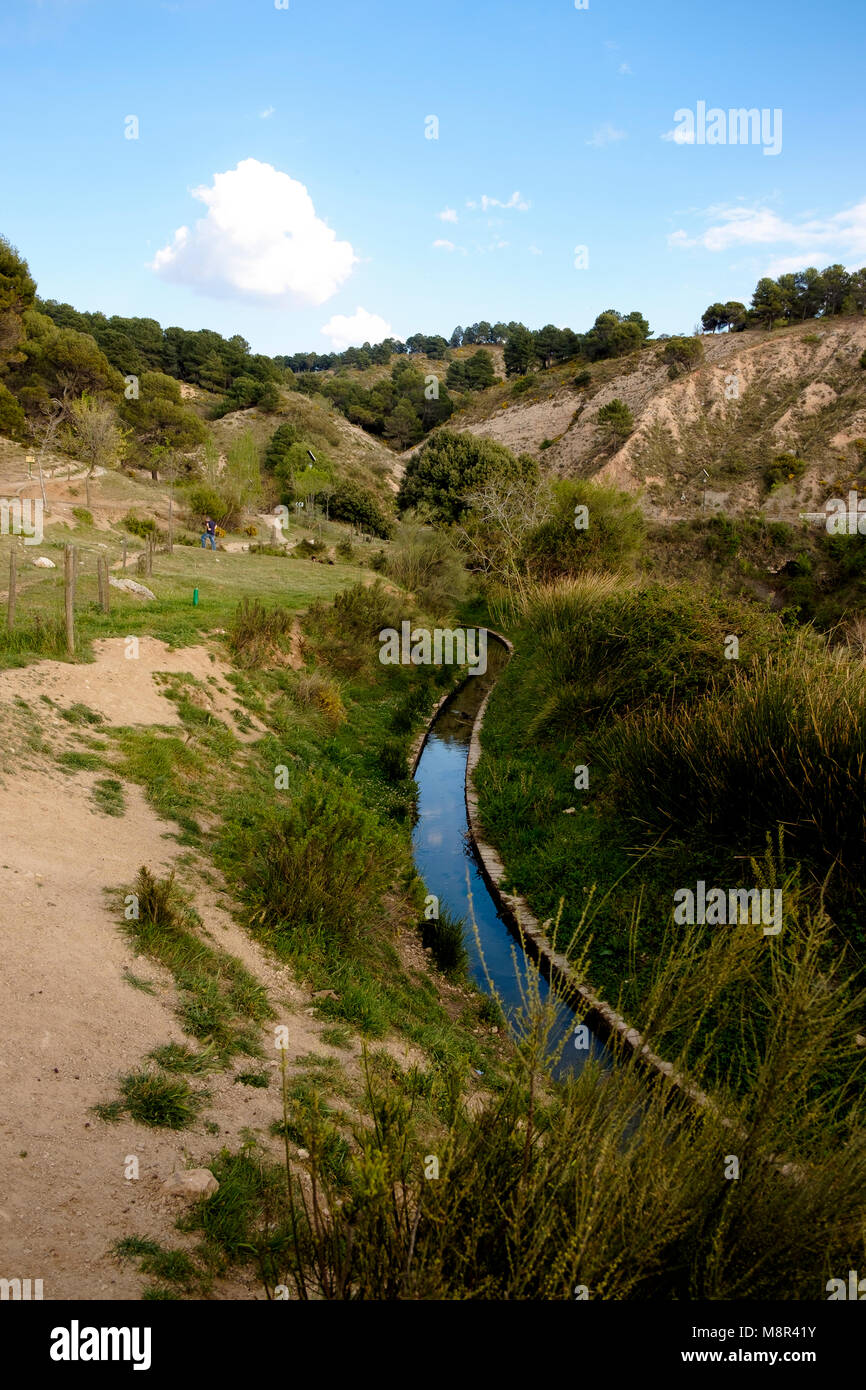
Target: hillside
[{"x": 801, "y": 390}]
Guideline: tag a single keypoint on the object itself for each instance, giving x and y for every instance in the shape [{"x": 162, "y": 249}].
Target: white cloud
[
  {"x": 260, "y": 240},
  {"x": 351, "y": 331},
  {"x": 442, "y": 245},
  {"x": 625, "y": 69},
  {"x": 447, "y": 215},
  {"x": 515, "y": 201},
  {"x": 606, "y": 135},
  {"x": 680, "y": 135},
  {"x": 843, "y": 234},
  {"x": 268, "y": 111},
  {"x": 534, "y": 251}
]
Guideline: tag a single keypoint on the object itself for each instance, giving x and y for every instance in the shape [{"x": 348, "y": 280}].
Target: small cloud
[
  {"x": 606, "y": 135},
  {"x": 351, "y": 331},
  {"x": 470, "y": 204},
  {"x": 680, "y": 135},
  {"x": 534, "y": 251},
  {"x": 625, "y": 69},
  {"x": 447, "y": 215},
  {"x": 268, "y": 112},
  {"x": 443, "y": 245},
  {"x": 515, "y": 201}
]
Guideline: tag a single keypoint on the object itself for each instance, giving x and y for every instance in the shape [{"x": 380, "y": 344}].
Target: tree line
[{"x": 792, "y": 298}]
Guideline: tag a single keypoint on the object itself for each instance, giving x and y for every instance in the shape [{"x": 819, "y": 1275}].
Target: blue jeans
[{"x": 208, "y": 537}]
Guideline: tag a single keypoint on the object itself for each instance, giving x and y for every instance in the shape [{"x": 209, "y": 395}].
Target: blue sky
[{"x": 304, "y": 131}]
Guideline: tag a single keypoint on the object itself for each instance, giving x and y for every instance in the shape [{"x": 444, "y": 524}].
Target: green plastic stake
[{"x": 195, "y": 598}]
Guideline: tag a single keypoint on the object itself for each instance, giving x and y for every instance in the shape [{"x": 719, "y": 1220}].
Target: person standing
[{"x": 209, "y": 534}]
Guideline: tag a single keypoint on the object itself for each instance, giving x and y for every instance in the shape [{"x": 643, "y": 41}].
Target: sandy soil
[{"x": 71, "y": 1022}]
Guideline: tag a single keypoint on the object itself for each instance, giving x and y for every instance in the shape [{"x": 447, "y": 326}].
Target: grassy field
[{"x": 222, "y": 580}]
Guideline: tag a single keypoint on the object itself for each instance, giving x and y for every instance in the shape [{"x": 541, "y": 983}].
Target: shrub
[
  {"x": 682, "y": 355},
  {"x": 140, "y": 526},
  {"x": 83, "y": 515},
  {"x": 784, "y": 468},
  {"x": 354, "y": 504},
  {"x": 316, "y": 689},
  {"x": 344, "y": 550},
  {"x": 316, "y": 868},
  {"x": 205, "y": 501},
  {"x": 582, "y": 379},
  {"x": 256, "y": 633},
  {"x": 449, "y": 466},
  {"x": 611, "y": 541}
]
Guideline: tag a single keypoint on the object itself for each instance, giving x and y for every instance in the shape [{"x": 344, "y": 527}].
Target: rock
[
  {"x": 303, "y": 1153},
  {"x": 130, "y": 586},
  {"x": 569, "y": 811},
  {"x": 325, "y": 994},
  {"x": 44, "y": 563},
  {"x": 192, "y": 1183}
]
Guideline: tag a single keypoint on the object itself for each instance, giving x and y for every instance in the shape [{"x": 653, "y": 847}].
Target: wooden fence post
[
  {"x": 149, "y": 562},
  {"x": 13, "y": 575},
  {"x": 104, "y": 595},
  {"x": 124, "y": 555},
  {"x": 69, "y": 597}
]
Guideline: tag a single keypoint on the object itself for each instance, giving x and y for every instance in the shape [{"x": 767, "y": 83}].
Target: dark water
[{"x": 443, "y": 854}]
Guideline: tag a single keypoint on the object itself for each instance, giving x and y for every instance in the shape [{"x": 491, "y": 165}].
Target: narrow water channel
[{"x": 443, "y": 852}]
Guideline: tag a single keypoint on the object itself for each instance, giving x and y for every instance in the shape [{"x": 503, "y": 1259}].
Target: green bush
[
  {"x": 355, "y": 505},
  {"x": 83, "y": 515},
  {"x": 449, "y": 465},
  {"x": 256, "y": 633},
  {"x": 142, "y": 526},
  {"x": 313, "y": 870},
  {"x": 682, "y": 355},
  {"x": 785, "y": 468},
  {"x": 612, "y": 539}
]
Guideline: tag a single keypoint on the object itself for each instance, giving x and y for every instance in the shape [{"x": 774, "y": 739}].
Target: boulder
[
  {"x": 192, "y": 1183},
  {"x": 44, "y": 563},
  {"x": 130, "y": 586}
]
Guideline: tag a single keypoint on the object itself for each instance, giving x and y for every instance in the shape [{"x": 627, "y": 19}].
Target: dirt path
[{"x": 71, "y": 1022}]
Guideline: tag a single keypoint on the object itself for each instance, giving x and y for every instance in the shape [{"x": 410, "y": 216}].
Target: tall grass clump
[
  {"x": 610, "y": 646},
  {"x": 257, "y": 634},
  {"x": 444, "y": 937},
  {"x": 782, "y": 745},
  {"x": 426, "y": 563}
]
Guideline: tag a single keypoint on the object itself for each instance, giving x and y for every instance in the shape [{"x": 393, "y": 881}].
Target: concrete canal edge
[{"x": 601, "y": 1016}]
